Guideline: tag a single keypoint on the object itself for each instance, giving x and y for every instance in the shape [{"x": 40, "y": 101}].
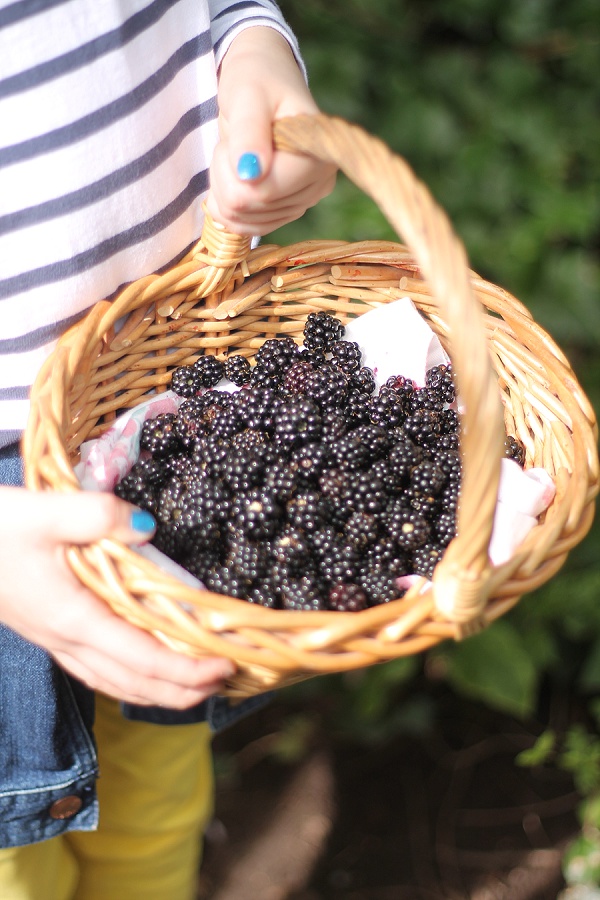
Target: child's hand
[
  {"x": 41, "y": 599},
  {"x": 253, "y": 189}
]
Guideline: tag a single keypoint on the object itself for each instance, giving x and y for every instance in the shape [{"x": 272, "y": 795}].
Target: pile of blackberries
[{"x": 307, "y": 488}]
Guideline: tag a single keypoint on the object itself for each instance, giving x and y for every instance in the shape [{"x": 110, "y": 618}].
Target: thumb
[
  {"x": 250, "y": 136},
  {"x": 84, "y": 517}
]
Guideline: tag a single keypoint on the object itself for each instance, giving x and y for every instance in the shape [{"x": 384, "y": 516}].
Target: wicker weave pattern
[{"x": 223, "y": 297}]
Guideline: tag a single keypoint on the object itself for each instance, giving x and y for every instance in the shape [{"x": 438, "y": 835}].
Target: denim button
[{"x": 66, "y": 807}]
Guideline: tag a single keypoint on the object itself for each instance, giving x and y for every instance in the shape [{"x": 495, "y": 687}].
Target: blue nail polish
[
  {"x": 248, "y": 167},
  {"x": 142, "y": 521}
]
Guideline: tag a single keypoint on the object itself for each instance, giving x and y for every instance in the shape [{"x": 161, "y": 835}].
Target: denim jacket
[{"x": 48, "y": 763}]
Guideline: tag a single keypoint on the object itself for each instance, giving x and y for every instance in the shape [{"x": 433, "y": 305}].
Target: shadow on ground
[{"x": 449, "y": 816}]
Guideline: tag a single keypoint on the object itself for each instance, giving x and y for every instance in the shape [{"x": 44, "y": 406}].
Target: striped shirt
[{"x": 108, "y": 120}]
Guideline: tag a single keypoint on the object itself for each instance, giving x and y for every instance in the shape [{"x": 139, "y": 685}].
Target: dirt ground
[{"x": 446, "y": 816}]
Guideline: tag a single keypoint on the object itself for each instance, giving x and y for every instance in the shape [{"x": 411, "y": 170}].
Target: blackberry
[
  {"x": 450, "y": 497},
  {"x": 276, "y": 355},
  {"x": 441, "y": 380},
  {"x": 347, "y": 598},
  {"x": 290, "y": 548},
  {"x": 185, "y": 468},
  {"x": 258, "y": 407},
  {"x": 297, "y": 376},
  {"x": 280, "y": 481},
  {"x": 186, "y": 381},
  {"x": 247, "y": 558},
  {"x": 316, "y": 357},
  {"x": 427, "y": 479},
  {"x": 334, "y": 484},
  {"x": 298, "y": 422},
  {"x": 210, "y": 370},
  {"x": 167, "y": 540},
  {"x": 445, "y": 527},
  {"x": 404, "y": 456},
  {"x": 141, "y": 484},
  {"x": 425, "y": 559},
  {"x": 225, "y": 423},
  {"x": 347, "y": 356},
  {"x": 238, "y": 370},
  {"x": 327, "y": 387},
  {"x": 365, "y": 492},
  {"x": 200, "y": 563},
  {"x": 361, "y": 530},
  {"x": 339, "y": 564},
  {"x": 263, "y": 378},
  {"x": 241, "y": 472},
  {"x": 407, "y": 527},
  {"x": 195, "y": 512},
  {"x": 386, "y": 555},
  {"x": 210, "y": 455},
  {"x": 324, "y": 542},
  {"x": 223, "y": 580},
  {"x": 423, "y": 427},
  {"x": 449, "y": 442},
  {"x": 214, "y": 404},
  {"x": 387, "y": 408},
  {"x": 350, "y": 452},
  {"x": 245, "y": 441},
  {"x": 380, "y": 587},
  {"x": 159, "y": 437},
  {"x": 333, "y": 426},
  {"x": 391, "y": 479},
  {"x": 308, "y": 461},
  {"x": 449, "y": 422},
  {"x": 189, "y": 423},
  {"x": 450, "y": 463},
  {"x": 424, "y": 398},
  {"x": 514, "y": 449},
  {"x": 358, "y": 407},
  {"x": 363, "y": 380},
  {"x": 403, "y": 387},
  {"x": 304, "y": 593},
  {"x": 375, "y": 438},
  {"x": 266, "y": 594},
  {"x": 306, "y": 511},
  {"x": 321, "y": 331},
  {"x": 256, "y": 513}
]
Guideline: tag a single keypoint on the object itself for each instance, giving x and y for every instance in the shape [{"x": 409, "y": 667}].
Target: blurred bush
[{"x": 494, "y": 103}]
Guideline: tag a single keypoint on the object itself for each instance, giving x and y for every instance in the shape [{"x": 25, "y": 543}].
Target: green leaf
[
  {"x": 540, "y": 752},
  {"x": 496, "y": 668}
]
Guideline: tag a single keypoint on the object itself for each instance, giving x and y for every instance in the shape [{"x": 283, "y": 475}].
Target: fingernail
[
  {"x": 248, "y": 167},
  {"x": 142, "y": 521}
]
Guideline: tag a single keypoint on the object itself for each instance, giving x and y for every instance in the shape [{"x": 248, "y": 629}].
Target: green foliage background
[{"x": 494, "y": 103}]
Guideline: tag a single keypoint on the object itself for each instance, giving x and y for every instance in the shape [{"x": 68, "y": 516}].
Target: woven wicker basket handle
[{"x": 461, "y": 579}]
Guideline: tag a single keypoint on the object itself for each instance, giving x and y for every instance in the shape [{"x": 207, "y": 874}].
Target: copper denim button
[{"x": 66, "y": 807}]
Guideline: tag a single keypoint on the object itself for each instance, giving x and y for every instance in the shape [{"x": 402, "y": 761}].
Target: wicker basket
[{"x": 223, "y": 297}]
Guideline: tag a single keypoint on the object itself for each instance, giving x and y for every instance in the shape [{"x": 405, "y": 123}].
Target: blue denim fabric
[{"x": 47, "y": 748}]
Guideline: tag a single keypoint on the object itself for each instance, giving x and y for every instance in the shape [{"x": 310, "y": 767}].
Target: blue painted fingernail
[
  {"x": 142, "y": 521},
  {"x": 248, "y": 167}
]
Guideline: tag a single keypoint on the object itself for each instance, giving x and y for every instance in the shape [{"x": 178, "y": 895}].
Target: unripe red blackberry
[{"x": 347, "y": 598}]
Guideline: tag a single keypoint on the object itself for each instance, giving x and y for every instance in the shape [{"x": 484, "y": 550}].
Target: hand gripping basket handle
[{"x": 461, "y": 578}]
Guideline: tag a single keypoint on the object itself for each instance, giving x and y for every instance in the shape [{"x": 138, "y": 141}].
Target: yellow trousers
[{"x": 156, "y": 797}]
